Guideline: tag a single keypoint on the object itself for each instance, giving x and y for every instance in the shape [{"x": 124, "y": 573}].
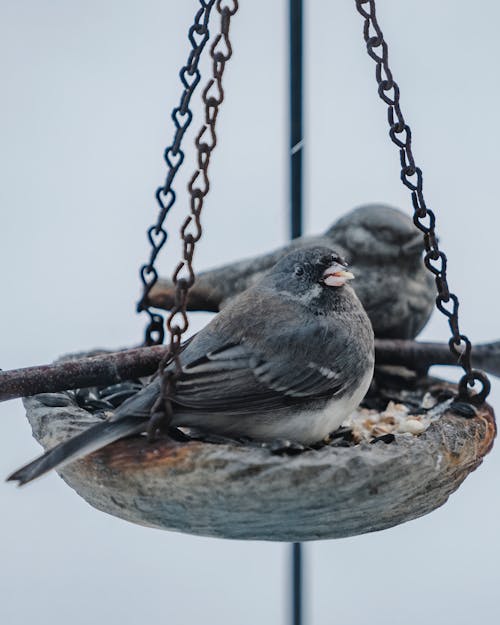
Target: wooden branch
[
  {"x": 104, "y": 369},
  {"x": 114, "y": 367},
  {"x": 420, "y": 356}
]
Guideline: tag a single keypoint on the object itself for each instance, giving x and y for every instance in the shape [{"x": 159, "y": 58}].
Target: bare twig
[
  {"x": 104, "y": 369},
  {"x": 112, "y": 367},
  {"x": 420, "y": 356}
]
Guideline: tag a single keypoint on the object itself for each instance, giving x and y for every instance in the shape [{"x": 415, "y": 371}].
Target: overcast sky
[{"x": 87, "y": 89}]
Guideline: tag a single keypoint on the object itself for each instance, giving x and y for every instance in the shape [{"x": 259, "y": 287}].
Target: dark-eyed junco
[
  {"x": 384, "y": 249},
  {"x": 290, "y": 358}
]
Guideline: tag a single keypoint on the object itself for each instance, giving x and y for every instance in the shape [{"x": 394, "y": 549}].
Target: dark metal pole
[
  {"x": 296, "y": 147},
  {"x": 297, "y": 600},
  {"x": 296, "y": 138}
]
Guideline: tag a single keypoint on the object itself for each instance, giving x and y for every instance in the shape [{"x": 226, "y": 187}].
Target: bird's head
[
  {"x": 308, "y": 273},
  {"x": 377, "y": 231}
]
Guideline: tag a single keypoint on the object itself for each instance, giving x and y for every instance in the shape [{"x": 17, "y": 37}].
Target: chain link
[
  {"x": 174, "y": 156},
  {"x": 424, "y": 218},
  {"x": 191, "y": 230}
]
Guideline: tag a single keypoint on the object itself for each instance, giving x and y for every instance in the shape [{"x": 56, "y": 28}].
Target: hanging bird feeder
[
  {"x": 349, "y": 486},
  {"x": 406, "y": 449}
]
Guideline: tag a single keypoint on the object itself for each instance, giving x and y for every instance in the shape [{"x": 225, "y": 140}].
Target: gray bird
[
  {"x": 290, "y": 358},
  {"x": 384, "y": 249}
]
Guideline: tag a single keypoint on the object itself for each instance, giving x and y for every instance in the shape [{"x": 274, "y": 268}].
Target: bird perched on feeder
[
  {"x": 290, "y": 358},
  {"x": 382, "y": 246}
]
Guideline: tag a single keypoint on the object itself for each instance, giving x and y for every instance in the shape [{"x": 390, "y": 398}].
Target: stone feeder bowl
[{"x": 398, "y": 457}]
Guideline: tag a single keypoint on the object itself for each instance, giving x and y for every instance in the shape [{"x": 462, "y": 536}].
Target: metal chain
[
  {"x": 424, "y": 218},
  {"x": 165, "y": 195},
  {"x": 191, "y": 230}
]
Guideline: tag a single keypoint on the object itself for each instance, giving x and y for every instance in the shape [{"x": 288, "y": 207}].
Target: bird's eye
[
  {"x": 339, "y": 260},
  {"x": 299, "y": 271}
]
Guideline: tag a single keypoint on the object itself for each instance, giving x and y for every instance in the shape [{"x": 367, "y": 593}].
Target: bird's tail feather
[{"x": 85, "y": 443}]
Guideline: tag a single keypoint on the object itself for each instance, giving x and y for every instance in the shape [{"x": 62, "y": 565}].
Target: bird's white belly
[
  {"x": 305, "y": 426},
  {"x": 310, "y": 426}
]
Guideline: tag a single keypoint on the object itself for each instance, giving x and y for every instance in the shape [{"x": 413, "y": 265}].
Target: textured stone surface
[{"x": 244, "y": 492}]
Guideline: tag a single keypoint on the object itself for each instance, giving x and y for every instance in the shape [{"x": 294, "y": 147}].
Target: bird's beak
[{"x": 336, "y": 275}]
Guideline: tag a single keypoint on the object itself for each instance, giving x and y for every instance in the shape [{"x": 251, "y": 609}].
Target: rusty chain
[
  {"x": 191, "y": 230},
  {"x": 174, "y": 156},
  {"x": 424, "y": 218}
]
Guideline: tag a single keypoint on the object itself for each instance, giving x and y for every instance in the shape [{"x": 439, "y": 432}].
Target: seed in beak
[{"x": 336, "y": 275}]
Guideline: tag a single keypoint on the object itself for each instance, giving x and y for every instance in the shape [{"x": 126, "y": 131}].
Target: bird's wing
[{"x": 236, "y": 379}]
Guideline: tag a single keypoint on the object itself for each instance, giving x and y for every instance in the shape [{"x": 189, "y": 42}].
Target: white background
[{"x": 86, "y": 92}]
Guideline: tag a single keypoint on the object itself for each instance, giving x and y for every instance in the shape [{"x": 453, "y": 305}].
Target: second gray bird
[
  {"x": 290, "y": 358},
  {"x": 381, "y": 244}
]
